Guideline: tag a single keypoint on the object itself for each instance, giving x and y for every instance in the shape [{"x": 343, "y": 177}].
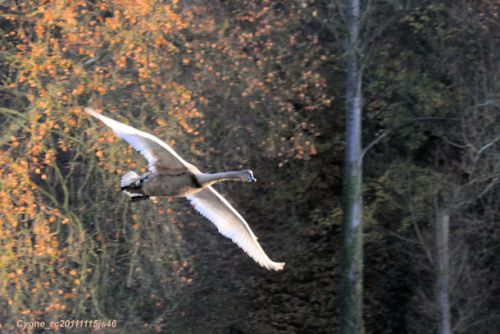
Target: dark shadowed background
[{"x": 259, "y": 85}]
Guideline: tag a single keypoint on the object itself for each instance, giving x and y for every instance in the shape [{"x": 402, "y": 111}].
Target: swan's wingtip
[
  {"x": 90, "y": 111},
  {"x": 277, "y": 266}
]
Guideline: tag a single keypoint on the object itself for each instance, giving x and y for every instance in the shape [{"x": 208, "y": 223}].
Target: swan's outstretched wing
[
  {"x": 231, "y": 224},
  {"x": 158, "y": 154}
]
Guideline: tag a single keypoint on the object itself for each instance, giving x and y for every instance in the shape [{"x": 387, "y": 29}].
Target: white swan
[{"x": 170, "y": 175}]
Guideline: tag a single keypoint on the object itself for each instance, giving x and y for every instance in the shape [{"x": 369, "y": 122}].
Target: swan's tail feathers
[
  {"x": 131, "y": 184},
  {"x": 130, "y": 180}
]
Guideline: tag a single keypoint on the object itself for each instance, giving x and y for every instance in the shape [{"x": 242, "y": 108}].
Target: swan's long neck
[{"x": 208, "y": 179}]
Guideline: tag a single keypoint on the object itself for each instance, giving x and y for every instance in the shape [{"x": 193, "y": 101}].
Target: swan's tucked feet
[{"x": 139, "y": 198}]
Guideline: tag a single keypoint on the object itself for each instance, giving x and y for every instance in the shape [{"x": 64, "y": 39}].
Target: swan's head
[{"x": 247, "y": 176}]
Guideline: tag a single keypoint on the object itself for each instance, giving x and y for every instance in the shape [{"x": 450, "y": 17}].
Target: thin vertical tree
[
  {"x": 442, "y": 258},
  {"x": 352, "y": 261}
]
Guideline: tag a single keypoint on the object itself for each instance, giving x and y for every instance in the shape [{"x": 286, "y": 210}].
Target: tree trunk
[
  {"x": 352, "y": 262},
  {"x": 443, "y": 270}
]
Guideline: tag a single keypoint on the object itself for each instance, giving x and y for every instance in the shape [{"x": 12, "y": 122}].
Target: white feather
[
  {"x": 231, "y": 224},
  {"x": 129, "y": 178},
  {"x": 153, "y": 149}
]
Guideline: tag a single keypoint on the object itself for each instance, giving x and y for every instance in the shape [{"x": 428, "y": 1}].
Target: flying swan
[{"x": 170, "y": 175}]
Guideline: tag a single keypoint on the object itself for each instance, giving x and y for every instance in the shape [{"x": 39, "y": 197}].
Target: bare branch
[
  {"x": 409, "y": 122},
  {"x": 425, "y": 247},
  {"x": 487, "y": 146}
]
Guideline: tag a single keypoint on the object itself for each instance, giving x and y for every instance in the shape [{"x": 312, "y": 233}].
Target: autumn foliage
[
  {"x": 163, "y": 65},
  {"x": 58, "y": 56},
  {"x": 244, "y": 84}
]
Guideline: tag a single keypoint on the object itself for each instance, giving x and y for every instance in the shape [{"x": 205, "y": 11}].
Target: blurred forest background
[{"x": 260, "y": 85}]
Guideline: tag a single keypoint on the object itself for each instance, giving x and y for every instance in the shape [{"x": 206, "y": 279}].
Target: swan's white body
[{"x": 166, "y": 164}]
